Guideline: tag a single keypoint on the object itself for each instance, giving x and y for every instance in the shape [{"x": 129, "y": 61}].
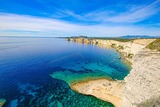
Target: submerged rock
[
  {"x": 55, "y": 104},
  {"x": 119, "y": 57},
  {"x": 59, "y": 104},
  {"x": 2, "y": 101}
]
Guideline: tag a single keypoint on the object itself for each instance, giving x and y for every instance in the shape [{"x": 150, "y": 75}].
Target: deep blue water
[{"x": 37, "y": 72}]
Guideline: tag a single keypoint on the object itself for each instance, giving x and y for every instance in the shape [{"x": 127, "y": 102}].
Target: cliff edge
[{"x": 142, "y": 88}]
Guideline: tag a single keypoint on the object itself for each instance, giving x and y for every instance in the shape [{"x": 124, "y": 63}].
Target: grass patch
[{"x": 155, "y": 45}]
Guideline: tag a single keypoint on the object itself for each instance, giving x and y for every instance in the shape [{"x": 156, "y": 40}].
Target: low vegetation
[
  {"x": 155, "y": 45},
  {"x": 130, "y": 55},
  {"x": 116, "y": 39},
  {"x": 113, "y": 45},
  {"x": 120, "y": 47}
]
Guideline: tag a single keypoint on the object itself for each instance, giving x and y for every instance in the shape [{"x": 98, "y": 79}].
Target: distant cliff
[{"x": 127, "y": 49}]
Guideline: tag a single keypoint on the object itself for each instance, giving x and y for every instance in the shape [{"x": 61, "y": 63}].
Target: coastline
[
  {"x": 123, "y": 58},
  {"x": 129, "y": 51}
]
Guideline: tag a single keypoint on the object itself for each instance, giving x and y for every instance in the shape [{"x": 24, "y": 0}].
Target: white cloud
[
  {"x": 14, "y": 25},
  {"x": 20, "y": 22},
  {"x": 135, "y": 13}
]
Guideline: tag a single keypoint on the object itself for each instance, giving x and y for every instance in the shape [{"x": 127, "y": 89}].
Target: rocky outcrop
[
  {"x": 142, "y": 87},
  {"x": 105, "y": 89},
  {"x": 80, "y": 40}
]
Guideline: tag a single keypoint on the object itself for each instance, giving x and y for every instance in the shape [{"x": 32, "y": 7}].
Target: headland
[{"x": 141, "y": 88}]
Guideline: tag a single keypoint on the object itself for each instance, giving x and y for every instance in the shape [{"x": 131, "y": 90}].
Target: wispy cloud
[
  {"x": 13, "y": 24},
  {"x": 95, "y": 16},
  {"x": 30, "y": 23},
  {"x": 137, "y": 15},
  {"x": 134, "y": 14}
]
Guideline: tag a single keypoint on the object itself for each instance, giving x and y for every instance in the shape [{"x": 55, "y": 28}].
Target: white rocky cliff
[{"x": 142, "y": 88}]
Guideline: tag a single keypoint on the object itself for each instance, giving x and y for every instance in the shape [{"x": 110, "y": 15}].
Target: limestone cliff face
[{"x": 142, "y": 87}]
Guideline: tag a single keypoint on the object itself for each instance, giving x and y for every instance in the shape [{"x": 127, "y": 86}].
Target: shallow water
[{"x": 37, "y": 72}]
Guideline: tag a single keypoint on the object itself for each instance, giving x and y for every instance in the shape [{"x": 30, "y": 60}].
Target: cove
[{"x": 38, "y": 71}]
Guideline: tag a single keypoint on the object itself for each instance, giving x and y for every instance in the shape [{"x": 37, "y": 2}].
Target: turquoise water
[{"x": 37, "y": 72}]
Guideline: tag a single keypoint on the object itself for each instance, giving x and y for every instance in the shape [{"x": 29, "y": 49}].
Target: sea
[{"x": 38, "y": 71}]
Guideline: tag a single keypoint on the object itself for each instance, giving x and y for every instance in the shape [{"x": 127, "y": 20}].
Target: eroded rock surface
[
  {"x": 142, "y": 87},
  {"x": 105, "y": 89}
]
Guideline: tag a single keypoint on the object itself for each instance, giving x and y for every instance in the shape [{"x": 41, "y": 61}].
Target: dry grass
[{"x": 155, "y": 45}]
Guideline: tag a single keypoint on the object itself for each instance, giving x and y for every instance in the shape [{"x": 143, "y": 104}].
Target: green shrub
[
  {"x": 130, "y": 55},
  {"x": 113, "y": 45},
  {"x": 120, "y": 47}
]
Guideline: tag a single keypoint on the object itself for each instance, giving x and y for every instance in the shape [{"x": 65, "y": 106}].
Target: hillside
[{"x": 155, "y": 45}]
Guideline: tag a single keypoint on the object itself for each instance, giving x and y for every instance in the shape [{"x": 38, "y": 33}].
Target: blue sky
[{"x": 79, "y": 17}]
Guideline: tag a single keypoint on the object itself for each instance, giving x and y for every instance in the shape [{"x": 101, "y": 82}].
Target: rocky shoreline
[
  {"x": 139, "y": 88},
  {"x": 104, "y": 89}
]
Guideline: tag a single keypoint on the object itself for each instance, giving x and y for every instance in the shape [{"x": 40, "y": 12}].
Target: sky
[{"x": 94, "y": 18}]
